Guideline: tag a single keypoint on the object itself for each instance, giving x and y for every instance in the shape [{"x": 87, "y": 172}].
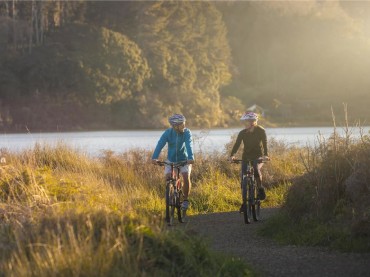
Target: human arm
[
  {"x": 236, "y": 146},
  {"x": 161, "y": 143},
  {"x": 264, "y": 143},
  {"x": 189, "y": 146}
]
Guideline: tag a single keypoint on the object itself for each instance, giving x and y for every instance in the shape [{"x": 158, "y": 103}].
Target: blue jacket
[{"x": 180, "y": 145}]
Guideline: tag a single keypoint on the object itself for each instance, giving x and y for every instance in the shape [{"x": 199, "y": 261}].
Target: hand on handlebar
[
  {"x": 232, "y": 158},
  {"x": 265, "y": 158},
  {"x": 162, "y": 163}
]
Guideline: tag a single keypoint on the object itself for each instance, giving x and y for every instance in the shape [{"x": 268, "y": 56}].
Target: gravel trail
[{"x": 227, "y": 233}]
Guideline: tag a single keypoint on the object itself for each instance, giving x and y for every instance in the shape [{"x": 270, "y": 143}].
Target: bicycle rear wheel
[
  {"x": 254, "y": 212},
  {"x": 257, "y": 211}
]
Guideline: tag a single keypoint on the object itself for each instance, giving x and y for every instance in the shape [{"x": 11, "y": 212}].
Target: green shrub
[{"x": 329, "y": 204}]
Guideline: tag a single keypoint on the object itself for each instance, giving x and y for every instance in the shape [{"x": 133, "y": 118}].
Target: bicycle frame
[{"x": 248, "y": 177}]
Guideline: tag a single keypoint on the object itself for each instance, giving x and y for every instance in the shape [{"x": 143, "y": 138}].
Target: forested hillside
[
  {"x": 297, "y": 59},
  {"x": 89, "y": 65}
]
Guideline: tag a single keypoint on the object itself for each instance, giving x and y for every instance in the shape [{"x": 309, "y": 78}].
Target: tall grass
[
  {"x": 66, "y": 214},
  {"x": 330, "y": 203}
]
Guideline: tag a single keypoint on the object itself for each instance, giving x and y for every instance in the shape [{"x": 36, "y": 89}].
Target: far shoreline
[{"x": 87, "y": 130}]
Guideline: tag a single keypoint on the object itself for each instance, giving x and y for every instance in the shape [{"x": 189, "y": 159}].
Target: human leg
[
  {"x": 261, "y": 195},
  {"x": 186, "y": 172}
]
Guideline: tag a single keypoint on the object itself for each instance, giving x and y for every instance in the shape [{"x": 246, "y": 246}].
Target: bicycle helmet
[
  {"x": 249, "y": 116},
  {"x": 176, "y": 119}
]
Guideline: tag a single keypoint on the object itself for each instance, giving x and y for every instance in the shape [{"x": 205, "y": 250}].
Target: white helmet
[{"x": 249, "y": 116}]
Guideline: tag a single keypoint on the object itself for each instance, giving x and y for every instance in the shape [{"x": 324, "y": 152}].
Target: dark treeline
[{"x": 69, "y": 65}]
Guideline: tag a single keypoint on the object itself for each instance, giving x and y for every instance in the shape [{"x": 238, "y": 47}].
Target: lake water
[{"x": 94, "y": 143}]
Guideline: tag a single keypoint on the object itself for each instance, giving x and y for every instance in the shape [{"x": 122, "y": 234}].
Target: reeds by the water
[
  {"x": 330, "y": 203},
  {"x": 63, "y": 213}
]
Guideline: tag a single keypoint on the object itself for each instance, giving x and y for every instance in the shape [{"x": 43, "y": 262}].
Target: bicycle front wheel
[
  {"x": 178, "y": 208},
  {"x": 170, "y": 203},
  {"x": 167, "y": 197},
  {"x": 245, "y": 207},
  {"x": 254, "y": 205}
]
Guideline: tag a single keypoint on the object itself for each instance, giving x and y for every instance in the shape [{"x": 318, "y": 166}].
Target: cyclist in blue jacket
[{"x": 180, "y": 148}]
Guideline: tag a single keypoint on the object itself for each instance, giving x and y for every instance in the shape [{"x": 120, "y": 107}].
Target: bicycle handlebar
[
  {"x": 175, "y": 165},
  {"x": 261, "y": 160}
]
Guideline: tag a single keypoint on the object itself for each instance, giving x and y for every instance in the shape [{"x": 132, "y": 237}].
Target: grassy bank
[
  {"x": 329, "y": 205},
  {"x": 65, "y": 214}
]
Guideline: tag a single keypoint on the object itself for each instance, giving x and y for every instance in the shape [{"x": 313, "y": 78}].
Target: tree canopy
[
  {"x": 71, "y": 65},
  {"x": 176, "y": 61}
]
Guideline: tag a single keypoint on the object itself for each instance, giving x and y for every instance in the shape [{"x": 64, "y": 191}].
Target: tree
[
  {"x": 186, "y": 46},
  {"x": 83, "y": 67}
]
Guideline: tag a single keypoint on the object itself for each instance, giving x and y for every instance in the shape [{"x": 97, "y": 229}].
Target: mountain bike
[
  {"x": 174, "y": 194},
  {"x": 251, "y": 205}
]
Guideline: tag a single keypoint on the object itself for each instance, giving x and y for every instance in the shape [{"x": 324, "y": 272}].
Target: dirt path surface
[{"x": 227, "y": 233}]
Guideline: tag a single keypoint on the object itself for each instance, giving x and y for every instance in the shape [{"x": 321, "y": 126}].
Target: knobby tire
[
  {"x": 178, "y": 201},
  {"x": 168, "y": 202},
  {"x": 256, "y": 204},
  {"x": 171, "y": 204},
  {"x": 258, "y": 210},
  {"x": 245, "y": 201},
  {"x": 252, "y": 200},
  {"x": 254, "y": 212}
]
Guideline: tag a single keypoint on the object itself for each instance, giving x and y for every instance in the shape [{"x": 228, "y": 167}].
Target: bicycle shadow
[{"x": 223, "y": 222}]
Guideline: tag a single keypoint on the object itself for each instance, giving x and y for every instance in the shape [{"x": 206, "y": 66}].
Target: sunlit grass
[
  {"x": 215, "y": 193},
  {"x": 275, "y": 196},
  {"x": 329, "y": 204},
  {"x": 66, "y": 214}
]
